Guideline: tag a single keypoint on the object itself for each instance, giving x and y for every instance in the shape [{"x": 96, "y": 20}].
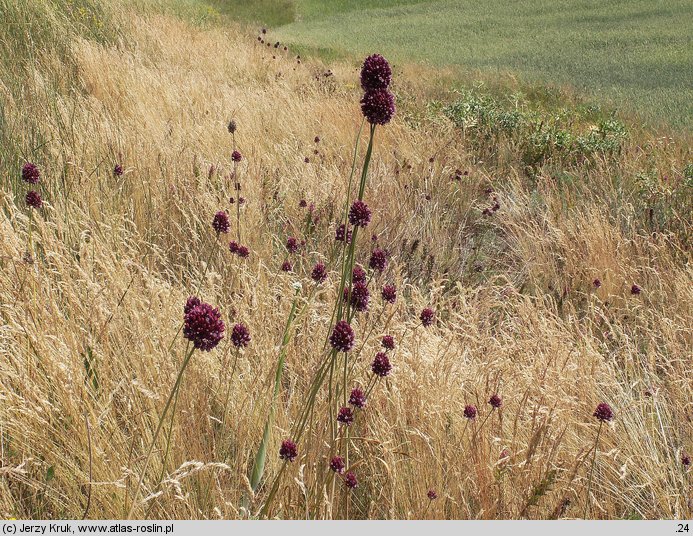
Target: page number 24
[{"x": 681, "y": 527}]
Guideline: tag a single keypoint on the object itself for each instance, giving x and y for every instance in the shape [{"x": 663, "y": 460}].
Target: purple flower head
[
  {"x": 388, "y": 342},
  {"x": 375, "y": 73},
  {"x": 360, "y": 297},
  {"x": 378, "y": 260},
  {"x": 220, "y": 223},
  {"x": 243, "y": 251},
  {"x": 470, "y": 412},
  {"x": 359, "y": 214},
  {"x": 432, "y": 495},
  {"x": 233, "y": 247},
  {"x": 337, "y": 464},
  {"x": 190, "y": 303},
  {"x": 231, "y": 127},
  {"x": 342, "y": 337},
  {"x": 358, "y": 275},
  {"x": 345, "y": 416},
  {"x": 292, "y": 244},
  {"x": 635, "y": 289},
  {"x": 302, "y": 203},
  {"x": 118, "y": 170},
  {"x": 378, "y": 106},
  {"x": 603, "y": 412},
  {"x": 31, "y": 173},
  {"x": 240, "y": 336},
  {"x": 495, "y": 401},
  {"x": 381, "y": 365},
  {"x": 319, "y": 273},
  {"x": 340, "y": 234},
  {"x": 685, "y": 460},
  {"x": 203, "y": 326},
  {"x": 357, "y": 398},
  {"x": 389, "y": 293},
  {"x": 288, "y": 451},
  {"x": 33, "y": 199},
  {"x": 317, "y": 139},
  {"x": 597, "y": 283},
  {"x": 286, "y": 266},
  {"x": 427, "y": 316},
  {"x": 350, "y": 480},
  {"x": 236, "y": 156}
]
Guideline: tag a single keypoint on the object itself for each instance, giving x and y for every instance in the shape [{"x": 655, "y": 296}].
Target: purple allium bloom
[
  {"x": 378, "y": 106},
  {"x": 118, "y": 170},
  {"x": 360, "y": 297},
  {"x": 243, "y": 251},
  {"x": 190, "y": 303},
  {"x": 375, "y": 73},
  {"x": 359, "y": 214},
  {"x": 495, "y": 401},
  {"x": 470, "y": 412},
  {"x": 342, "y": 337},
  {"x": 286, "y": 266},
  {"x": 685, "y": 460},
  {"x": 427, "y": 316},
  {"x": 635, "y": 289},
  {"x": 220, "y": 223},
  {"x": 357, "y": 398},
  {"x": 302, "y": 203},
  {"x": 292, "y": 244},
  {"x": 31, "y": 173},
  {"x": 288, "y": 451},
  {"x": 319, "y": 273},
  {"x": 378, "y": 260},
  {"x": 388, "y": 342},
  {"x": 241, "y": 200},
  {"x": 389, "y": 293},
  {"x": 232, "y": 124},
  {"x": 603, "y": 412},
  {"x": 233, "y": 247},
  {"x": 381, "y": 365},
  {"x": 33, "y": 199},
  {"x": 240, "y": 336},
  {"x": 340, "y": 233},
  {"x": 432, "y": 495},
  {"x": 337, "y": 464},
  {"x": 350, "y": 480},
  {"x": 597, "y": 283},
  {"x": 236, "y": 156},
  {"x": 358, "y": 275},
  {"x": 203, "y": 326},
  {"x": 317, "y": 139},
  {"x": 345, "y": 416}
]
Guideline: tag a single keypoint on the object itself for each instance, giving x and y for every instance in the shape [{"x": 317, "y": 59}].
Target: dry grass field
[{"x": 559, "y": 280}]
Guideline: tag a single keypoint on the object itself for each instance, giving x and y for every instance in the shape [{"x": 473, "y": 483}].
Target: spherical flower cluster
[
  {"x": 342, "y": 232},
  {"x": 603, "y": 412},
  {"x": 495, "y": 401},
  {"x": 597, "y": 283},
  {"x": 33, "y": 199},
  {"x": 389, "y": 293},
  {"x": 360, "y": 297},
  {"x": 470, "y": 412},
  {"x": 342, "y": 337},
  {"x": 203, "y": 325},
  {"x": 378, "y": 106},
  {"x": 375, "y": 73},
  {"x": 381, "y": 365},
  {"x": 231, "y": 126},
  {"x": 31, "y": 173},
  {"x": 288, "y": 451},
  {"x": 427, "y": 316},
  {"x": 345, "y": 416},
  {"x": 292, "y": 244},
  {"x": 388, "y": 342},
  {"x": 635, "y": 289},
  {"x": 337, "y": 464},
  {"x": 685, "y": 460},
  {"x": 319, "y": 273},
  {"x": 237, "y": 249},
  {"x": 359, "y": 214},
  {"x": 118, "y": 170},
  {"x": 220, "y": 222},
  {"x": 286, "y": 266},
  {"x": 378, "y": 260},
  {"x": 236, "y": 156},
  {"x": 350, "y": 480},
  {"x": 358, "y": 275},
  {"x": 240, "y": 336},
  {"x": 357, "y": 398},
  {"x": 432, "y": 495}
]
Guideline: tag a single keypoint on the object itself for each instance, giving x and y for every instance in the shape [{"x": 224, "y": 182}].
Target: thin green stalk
[{"x": 594, "y": 459}]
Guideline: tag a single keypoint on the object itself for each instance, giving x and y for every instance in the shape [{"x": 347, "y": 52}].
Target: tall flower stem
[{"x": 594, "y": 459}]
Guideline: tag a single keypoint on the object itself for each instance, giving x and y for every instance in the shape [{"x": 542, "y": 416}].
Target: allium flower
[
  {"x": 339, "y": 234},
  {"x": 203, "y": 326},
  {"x": 118, "y": 170},
  {"x": 345, "y": 416},
  {"x": 292, "y": 244},
  {"x": 232, "y": 126},
  {"x": 597, "y": 283},
  {"x": 358, "y": 275},
  {"x": 685, "y": 460},
  {"x": 342, "y": 337},
  {"x": 303, "y": 203},
  {"x": 375, "y": 73},
  {"x": 288, "y": 451},
  {"x": 350, "y": 480},
  {"x": 495, "y": 401},
  {"x": 378, "y": 260},
  {"x": 378, "y": 106},
  {"x": 603, "y": 412},
  {"x": 388, "y": 342},
  {"x": 432, "y": 495},
  {"x": 381, "y": 365},
  {"x": 240, "y": 336},
  {"x": 233, "y": 247},
  {"x": 236, "y": 156},
  {"x": 389, "y": 293},
  {"x": 470, "y": 412},
  {"x": 360, "y": 297},
  {"x": 635, "y": 289},
  {"x": 190, "y": 303},
  {"x": 31, "y": 173},
  {"x": 319, "y": 273},
  {"x": 286, "y": 266},
  {"x": 33, "y": 199},
  {"x": 317, "y": 139},
  {"x": 337, "y": 464},
  {"x": 427, "y": 316},
  {"x": 359, "y": 214},
  {"x": 357, "y": 398},
  {"x": 243, "y": 251},
  {"x": 220, "y": 223}
]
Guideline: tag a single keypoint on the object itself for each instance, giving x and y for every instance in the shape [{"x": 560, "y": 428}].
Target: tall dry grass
[{"x": 92, "y": 300}]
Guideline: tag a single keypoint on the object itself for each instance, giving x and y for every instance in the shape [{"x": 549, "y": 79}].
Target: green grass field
[{"x": 634, "y": 54}]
